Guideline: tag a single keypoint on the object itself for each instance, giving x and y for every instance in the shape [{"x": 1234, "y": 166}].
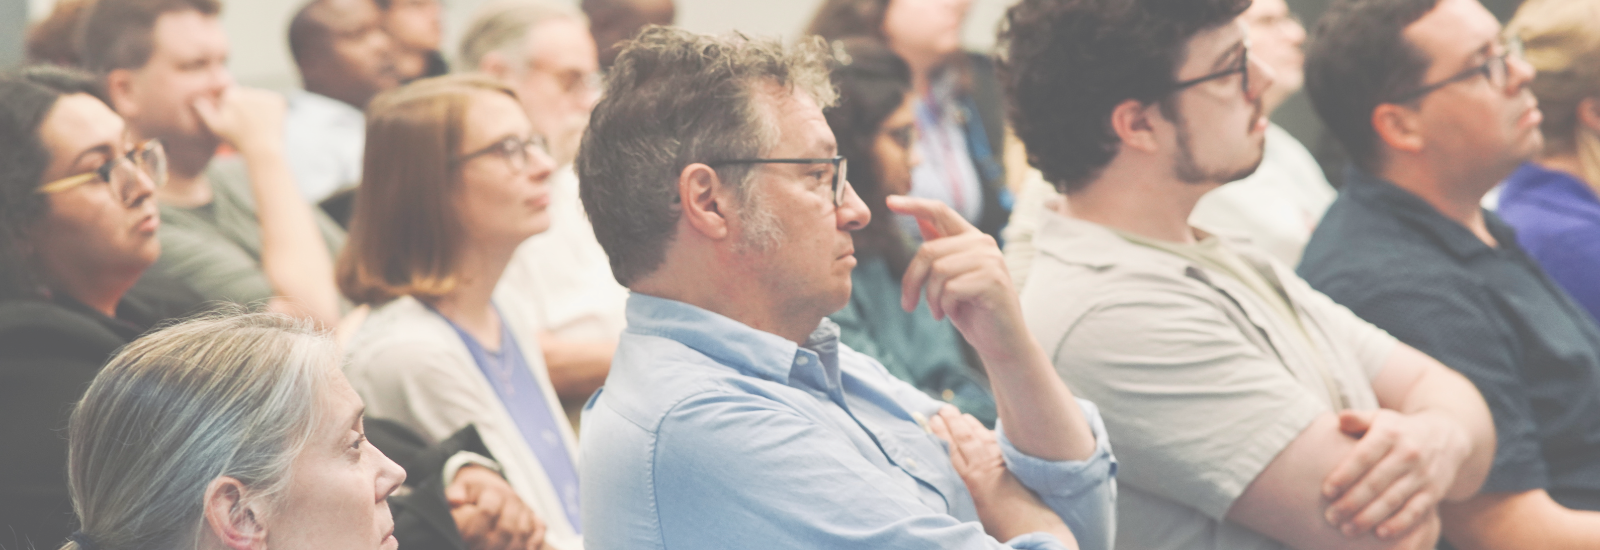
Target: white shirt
[
  {"x": 324, "y": 138},
  {"x": 1276, "y": 207},
  {"x": 562, "y": 278}
]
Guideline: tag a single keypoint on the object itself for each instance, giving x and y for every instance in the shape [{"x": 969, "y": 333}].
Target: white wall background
[{"x": 259, "y": 28}]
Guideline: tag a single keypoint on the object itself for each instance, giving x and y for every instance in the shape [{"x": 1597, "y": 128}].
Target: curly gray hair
[{"x": 674, "y": 98}]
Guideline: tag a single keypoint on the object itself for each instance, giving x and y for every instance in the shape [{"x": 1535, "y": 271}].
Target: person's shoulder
[
  {"x": 43, "y": 329},
  {"x": 399, "y": 333},
  {"x": 1356, "y": 241}
]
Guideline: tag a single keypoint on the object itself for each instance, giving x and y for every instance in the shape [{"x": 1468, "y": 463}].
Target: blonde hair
[
  {"x": 1561, "y": 39},
  {"x": 228, "y": 394},
  {"x": 404, "y": 228},
  {"x": 503, "y": 26}
]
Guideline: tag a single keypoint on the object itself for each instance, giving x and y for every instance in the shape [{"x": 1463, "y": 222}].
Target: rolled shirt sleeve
[{"x": 1082, "y": 492}]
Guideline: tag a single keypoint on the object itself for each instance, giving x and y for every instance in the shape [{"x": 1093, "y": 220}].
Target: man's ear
[
  {"x": 700, "y": 193},
  {"x": 1131, "y": 122},
  {"x": 232, "y": 517},
  {"x": 119, "y": 87},
  {"x": 1398, "y": 128},
  {"x": 495, "y": 64}
]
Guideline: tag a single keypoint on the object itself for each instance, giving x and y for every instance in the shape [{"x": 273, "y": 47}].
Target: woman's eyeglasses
[
  {"x": 517, "y": 151},
  {"x": 122, "y": 173}
]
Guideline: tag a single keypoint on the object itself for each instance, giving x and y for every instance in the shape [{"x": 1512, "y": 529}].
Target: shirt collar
[
  {"x": 1379, "y": 194},
  {"x": 734, "y": 344}
]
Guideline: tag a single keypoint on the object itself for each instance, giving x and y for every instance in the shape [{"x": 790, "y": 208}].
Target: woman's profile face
[
  {"x": 502, "y": 197},
  {"x": 339, "y": 485},
  {"x": 91, "y": 228},
  {"x": 895, "y": 149}
]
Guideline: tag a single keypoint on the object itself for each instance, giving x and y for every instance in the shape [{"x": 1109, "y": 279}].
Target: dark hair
[
  {"x": 51, "y": 39},
  {"x": 872, "y": 83},
  {"x": 30, "y": 93},
  {"x": 1359, "y": 59},
  {"x": 1066, "y": 64},
  {"x": 308, "y": 32},
  {"x": 119, "y": 34},
  {"x": 674, "y": 98},
  {"x": 837, "y": 19}
]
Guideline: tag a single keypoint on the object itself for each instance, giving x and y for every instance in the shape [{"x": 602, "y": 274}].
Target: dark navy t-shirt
[{"x": 1489, "y": 312}]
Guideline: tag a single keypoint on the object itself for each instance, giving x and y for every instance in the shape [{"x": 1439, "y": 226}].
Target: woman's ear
[
  {"x": 495, "y": 64},
  {"x": 699, "y": 191},
  {"x": 1589, "y": 114},
  {"x": 232, "y": 516}
]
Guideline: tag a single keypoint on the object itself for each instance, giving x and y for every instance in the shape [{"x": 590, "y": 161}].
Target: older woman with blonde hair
[
  {"x": 230, "y": 431},
  {"x": 454, "y": 181},
  {"x": 1553, "y": 201}
]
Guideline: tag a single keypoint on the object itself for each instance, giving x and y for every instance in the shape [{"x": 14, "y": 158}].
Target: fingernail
[
  {"x": 1383, "y": 532},
  {"x": 1333, "y": 519}
]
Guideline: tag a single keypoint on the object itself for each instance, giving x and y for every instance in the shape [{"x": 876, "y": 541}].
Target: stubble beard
[{"x": 1189, "y": 170}]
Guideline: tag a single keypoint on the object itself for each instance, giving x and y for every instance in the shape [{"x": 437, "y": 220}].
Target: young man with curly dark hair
[{"x": 1248, "y": 411}]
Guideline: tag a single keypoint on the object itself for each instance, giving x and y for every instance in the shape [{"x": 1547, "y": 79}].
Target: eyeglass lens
[
  {"x": 149, "y": 161},
  {"x": 839, "y": 181}
]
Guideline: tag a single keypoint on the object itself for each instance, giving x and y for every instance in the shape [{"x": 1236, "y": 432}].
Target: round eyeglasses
[{"x": 122, "y": 173}]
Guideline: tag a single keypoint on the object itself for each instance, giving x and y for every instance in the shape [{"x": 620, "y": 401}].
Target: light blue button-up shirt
[{"x": 711, "y": 434}]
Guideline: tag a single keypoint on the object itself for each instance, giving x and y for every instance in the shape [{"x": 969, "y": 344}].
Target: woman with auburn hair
[
  {"x": 877, "y": 132},
  {"x": 453, "y": 182},
  {"x": 957, "y": 101},
  {"x": 1552, "y": 202},
  {"x": 233, "y": 431}
]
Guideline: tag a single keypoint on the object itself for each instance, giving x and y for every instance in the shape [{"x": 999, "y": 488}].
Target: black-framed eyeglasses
[
  {"x": 517, "y": 151},
  {"x": 1241, "y": 68},
  {"x": 148, "y": 159},
  {"x": 1496, "y": 69},
  {"x": 839, "y": 165}
]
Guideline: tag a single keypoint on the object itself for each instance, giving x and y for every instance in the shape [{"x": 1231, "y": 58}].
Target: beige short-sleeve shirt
[{"x": 1198, "y": 378}]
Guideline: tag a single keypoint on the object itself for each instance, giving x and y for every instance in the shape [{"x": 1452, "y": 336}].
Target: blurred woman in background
[
  {"x": 956, "y": 101},
  {"x": 454, "y": 181},
  {"x": 78, "y": 226},
  {"x": 1552, "y": 201},
  {"x": 876, "y": 130}
]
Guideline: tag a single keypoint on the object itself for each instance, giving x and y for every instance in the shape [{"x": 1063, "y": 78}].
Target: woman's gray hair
[
  {"x": 674, "y": 98},
  {"x": 227, "y": 394},
  {"x": 503, "y": 26}
]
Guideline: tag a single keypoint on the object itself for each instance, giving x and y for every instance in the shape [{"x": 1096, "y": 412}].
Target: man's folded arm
[{"x": 744, "y": 471}]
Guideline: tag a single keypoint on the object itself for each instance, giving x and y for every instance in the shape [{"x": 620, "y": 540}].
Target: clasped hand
[
  {"x": 488, "y": 513},
  {"x": 1393, "y": 479}
]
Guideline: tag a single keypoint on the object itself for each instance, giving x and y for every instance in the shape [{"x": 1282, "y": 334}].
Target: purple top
[
  {"x": 1557, "y": 218},
  {"x": 508, "y": 372}
]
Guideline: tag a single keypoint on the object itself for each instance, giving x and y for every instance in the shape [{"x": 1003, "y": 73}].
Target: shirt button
[
  {"x": 803, "y": 360},
  {"x": 948, "y": 395},
  {"x": 911, "y": 464}
]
